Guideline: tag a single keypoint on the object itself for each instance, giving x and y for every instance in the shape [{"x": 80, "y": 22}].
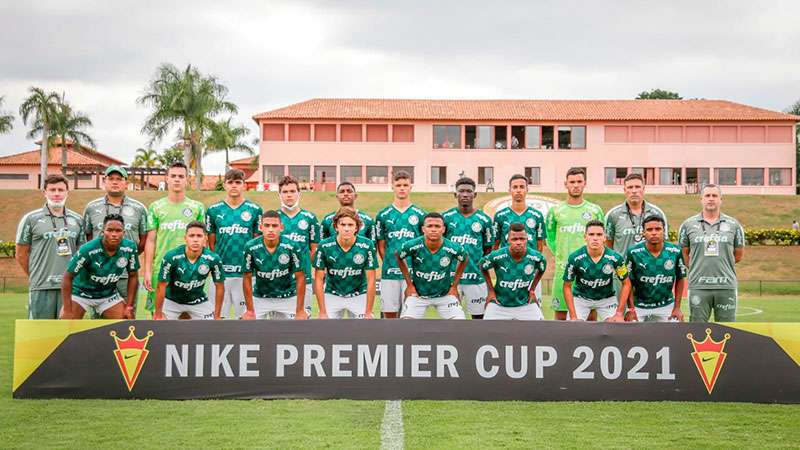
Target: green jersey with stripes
[
  {"x": 367, "y": 226},
  {"x": 169, "y": 220},
  {"x": 395, "y": 227},
  {"x": 625, "y": 228},
  {"x": 233, "y": 229},
  {"x": 514, "y": 278},
  {"x": 186, "y": 279},
  {"x": 474, "y": 233},
  {"x": 531, "y": 218},
  {"x": 133, "y": 212},
  {"x": 303, "y": 230},
  {"x": 432, "y": 273},
  {"x": 712, "y": 264},
  {"x": 346, "y": 271},
  {"x": 593, "y": 280},
  {"x": 95, "y": 272},
  {"x": 274, "y": 272},
  {"x": 653, "y": 277}
]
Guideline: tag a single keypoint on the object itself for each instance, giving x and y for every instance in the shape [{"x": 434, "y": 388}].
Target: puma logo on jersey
[
  {"x": 260, "y": 261},
  {"x": 504, "y": 269},
  {"x": 643, "y": 265},
  {"x": 181, "y": 270}
]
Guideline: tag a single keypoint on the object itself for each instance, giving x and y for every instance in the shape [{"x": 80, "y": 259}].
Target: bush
[
  {"x": 8, "y": 249},
  {"x": 761, "y": 236}
]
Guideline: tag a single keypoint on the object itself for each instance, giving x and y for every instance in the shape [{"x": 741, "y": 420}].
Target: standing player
[
  {"x": 94, "y": 272},
  {"x": 395, "y": 224},
  {"x": 183, "y": 276},
  {"x": 472, "y": 229},
  {"x": 518, "y": 268},
  {"x": 432, "y": 277},
  {"x": 565, "y": 226},
  {"x": 345, "y": 275},
  {"x": 346, "y": 195},
  {"x": 280, "y": 285},
  {"x": 657, "y": 274},
  {"x": 132, "y": 211},
  {"x": 231, "y": 224},
  {"x": 712, "y": 244},
  {"x": 300, "y": 226},
  {"x": 588, "y": 275},
  {"x": 46, "y": 240},
  {"x": 167, "y": 219}
]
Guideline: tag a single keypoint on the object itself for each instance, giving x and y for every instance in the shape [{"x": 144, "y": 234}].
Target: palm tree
[
  {"x": 147, "y": 158},
  {"x": 40, "y": 107},
  {"x": 68, "y": 127},
  {"x": 6, "y": 119},
  {"x": 225, "y": 137},
  {"x": 189, "y": 101}
]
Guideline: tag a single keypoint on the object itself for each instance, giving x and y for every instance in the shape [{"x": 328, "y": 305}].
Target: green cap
[{"x": 118, "y": 169}]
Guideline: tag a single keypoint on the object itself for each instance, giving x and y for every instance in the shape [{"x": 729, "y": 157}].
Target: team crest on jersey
[
  {"x": 476, "y": 227},
  {"x": 122, "y": 262},
  {"x": 71, "y": 221},
  {"x": 530, "y": 222},
  {"x": 127, "y": 211},
  {"x": 695, "y": 300},
  {"x": 203, "y": 269},
  {"x": 358, "y": 258},
  {"x": 724, "y": 227},
  {"x": 303, "y": 224},
  {"x": 413, "y": 220},
  {"x": 187, "y": 212},
  {"x": 283, "y": 259},
  {"x": 528, "y": 269},
  {"x": 445, "y": 261},
  {"x": 668, "y": 264},
  {"x": 709, "y": 356},
  {"x": 586, "y": 215},
  {"x": 246, "y": 216},
  {"x": 607, "y": 269},
  {"x": 131, "y": 354}
]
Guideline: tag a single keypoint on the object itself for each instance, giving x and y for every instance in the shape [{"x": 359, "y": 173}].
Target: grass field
[{"x": 338, "y": 424}]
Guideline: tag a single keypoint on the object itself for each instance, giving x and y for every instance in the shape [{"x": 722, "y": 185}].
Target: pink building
[{"x": 675, "y": 144}]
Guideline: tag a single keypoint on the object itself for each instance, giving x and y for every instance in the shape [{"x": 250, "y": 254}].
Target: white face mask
[
  {"x": 293, "y": 207},
  {"x": 54, "y": 204}
]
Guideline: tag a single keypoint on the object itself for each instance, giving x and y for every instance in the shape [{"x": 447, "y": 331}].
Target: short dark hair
[
  {"x": 180, "y": 165},
  {"x": 55, "y": 179},
  {"x": 434, "y": 215},
  {"x": 287, "y": 180},
  {"x": 653, "y": 218},
  {"x": 345, "y": 183},
  {"x": 517, "y": 176},
  {"x": 270, "y": 214},
  {"x": 465, "y": 180},
  {"x": 517, "y": 227},
  {"x": 577, "y": 171},
  {"x": 196, "y": 224},
  {"x": 234, "y": 175},
  {"x": 711, "y": 185},
  {"x": 113, "y": 217},
  {"x": 401, "y": 175},
  {"x": 595, "y": 223},
  {"x": 633, "y": 176}
]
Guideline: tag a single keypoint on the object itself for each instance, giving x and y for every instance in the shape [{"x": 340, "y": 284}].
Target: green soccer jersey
[
  {"x": 711, "y": 246},
  {"x": 233, "y": 229},
  {"x": 133, "y": 212},
  {"x": 531, "y": 218},
  {"x": 625, "y": 228},
  {"x": 274, "y": 272},
  {"x": 95, "y": 272},
  {"x": 652, "y": 277},
  {"x": 514, "y": 278},
  {"x": 474, "y": 233},
  {"x": 367, "y": 226},
  {"x": 346, "y": 271},
  {"x": 432, "y": 273},
  {"x": 395, "y": 227},
  {"x": 186, "y": 279},
  {"x": 303, "y": 230},
  {"x": 593, "y": 280}
]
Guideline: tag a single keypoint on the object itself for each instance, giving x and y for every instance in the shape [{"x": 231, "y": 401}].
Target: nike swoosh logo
[
  {"x": 708, "y": 359},
  {"x": 129, "y": 356}
]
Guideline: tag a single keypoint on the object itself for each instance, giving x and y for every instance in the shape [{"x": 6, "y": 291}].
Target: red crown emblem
[
  {"x": 131, "y": 353},
  {"x": 708, "y": 357}
]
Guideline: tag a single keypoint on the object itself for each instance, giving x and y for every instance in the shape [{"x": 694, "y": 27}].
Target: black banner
[{"x": 400, "y": 359}]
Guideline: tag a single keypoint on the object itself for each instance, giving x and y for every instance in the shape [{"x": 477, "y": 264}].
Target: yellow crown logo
[
  {"x": 708, "y": 357},
  {"x": 131, "y": 353}
]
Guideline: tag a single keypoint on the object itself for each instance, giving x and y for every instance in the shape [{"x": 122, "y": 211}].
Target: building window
[
  {"x": 351, "y": 174},
  {"x": 402, "y": 133},
  {"x": 299, "y": 132},
  {"x": 517, "y": 137},
  {"x": 273, "y": 132},
  {"x": 648, "y": 173},
  {"x": 14, "y": 176},
  {"x": 350, "y": 133},
  {"x": 670, "y": 176},
  {"x": 780, "y": 177},
  {"x": 485, "y": 175},
  {"x": 446, "y": 136},
  {"x": 752, "y": 177},
  {"x": 438, "y": 175},
  {"x": 325, "y": 132},
  {"x": 325, "y": 174},
  {"x": 725, "y": 177},
  {"x": 302, "y": 173},
  {"x": 533, "y": 174},
  {"x": 407, "y": 169},
  {"x": 500, "y": 137},
  {"x": 272, "y": 174},
  {"x": 377, "y": 133},
  {"x": 377, "y": 175},
  {"x": 571, "y": 137},
  {"x": 698, "y": 176},
  {"x": 547, "y": 137},
  {"x": 533, "y": 137},
  {"x": 615, "y": 175},
  {"x": 478, "y": 136},
  {"x": 85, "y": 177}
]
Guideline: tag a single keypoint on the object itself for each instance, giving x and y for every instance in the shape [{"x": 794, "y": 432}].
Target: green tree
[
  {"x": 658, "y": 94},
  {"x": 70, "y": 126},
  {"x": 6, "y": 119},
  {"x": 795, "y": 109},
  {"x": 146, "y": 158},
  {"x": 40, "y": 109},
  {"x": 225, "y": 137},
  {"x": 189, "y": 101},
  {"x": 170, "y": 156}
]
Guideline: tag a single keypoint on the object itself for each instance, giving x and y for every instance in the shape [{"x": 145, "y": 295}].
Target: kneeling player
[
  {"x": 93, "y": 272},
  {"x": 280, "y": 280},
  {"x": 518, "y": 269},
  {"x": 345, "y": 276},
  {"x": 436, "y": 268},
  {"x": 589, "y": 273},
  {"x": 183, "y": 275},
  {"x": 657, "y": 275}
]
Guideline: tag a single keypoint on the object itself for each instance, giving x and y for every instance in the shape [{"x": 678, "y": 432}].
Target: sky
[{"x": 270, "y": 54}]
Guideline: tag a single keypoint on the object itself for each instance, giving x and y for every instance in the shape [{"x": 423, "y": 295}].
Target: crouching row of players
[{"x": 274, "y": 283}]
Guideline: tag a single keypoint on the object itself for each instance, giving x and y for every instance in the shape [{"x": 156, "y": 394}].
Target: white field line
[{"x": 392, "y": 437}]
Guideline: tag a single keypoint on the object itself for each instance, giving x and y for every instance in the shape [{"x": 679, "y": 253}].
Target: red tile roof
[
  {"x": 243, "y": 161},
  {"x": 523, "y": 110},
  {"x": 79, "y": 158}
]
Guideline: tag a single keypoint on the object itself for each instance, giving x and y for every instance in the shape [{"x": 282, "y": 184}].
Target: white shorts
[
  {"x": 234, "y": 296},
  {"x": 447, "y": 306},
  {"x": 275, "y": 308},
  {"x": 201, "y": 311},
  {"x": 531, "y": 311},
  {"x": 98, "y": 305},
  {"x": 392, "y": 294},
  {"x": 336, "y": 306},
  {"x": 660, "y": 314},
  {"x": 474, "y": 297},
  {"x": 605, "y": 308}
]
